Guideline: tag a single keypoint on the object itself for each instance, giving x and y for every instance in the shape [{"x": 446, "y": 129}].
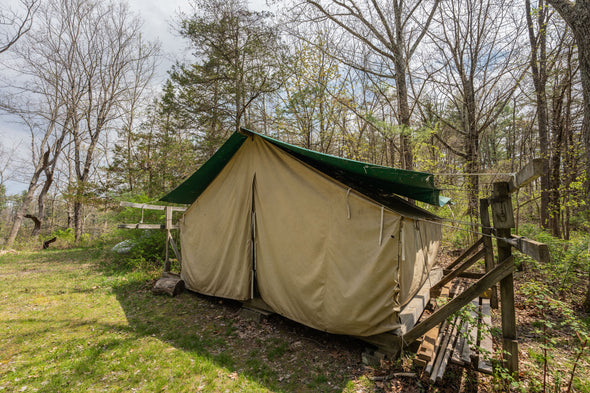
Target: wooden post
[
  {"x": 167, "y": 266},
  {"x": 502, "y": 270},
  {"x": 488, "y": 246},
  {"x": 504, "y": 220},
  {"x": 168, "y": 226}
]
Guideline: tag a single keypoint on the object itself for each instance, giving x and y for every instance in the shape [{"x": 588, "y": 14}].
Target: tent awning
[{"x": 377, "y": 182}]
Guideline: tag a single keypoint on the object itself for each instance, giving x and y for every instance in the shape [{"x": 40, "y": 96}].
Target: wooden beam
[
  {"x": 436, "y": 350},
  {"x": 470, "y": 275},
  {"x": 507, "y": 308},
  {"x": 502, "y": 211},
  {"x": 484, "y": 215},
  {"x": 484, "y": 365},
  {"x": 441, "y": 355},
  {"x": 455, "y": 273},
  {"x": 411, "y": 312},
  {"x": 532, "y": 248},
  {"x": 527, "y": 174},
  {"x": 466, "y": 352},
  {"x": 499, "y": 272},
  {"x": 465, "y": 253},
  {"x": 175, "y": 249},
  {"x": 152, "y": 207},
  {"x": 141, "y": 226},
  {"x": 446, "y": 354},
  {"x": 145, "y": 226}
]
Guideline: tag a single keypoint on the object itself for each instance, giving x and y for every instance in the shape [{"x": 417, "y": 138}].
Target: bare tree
[
  {"x": 44, "y": 155},
  {"x": 538, "y": 60},
  {"x": 83, "y": 61},
  {"x": 109, "y": 50},
  {"x": 378, "y": 38},
  {"x": 577, "y": 16},
  {"x": 477, "y": 71},
  {"x": 14, "y": 24}
]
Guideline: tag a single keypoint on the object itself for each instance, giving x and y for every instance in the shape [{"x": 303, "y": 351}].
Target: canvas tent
[{"x": 324, "y": 241}]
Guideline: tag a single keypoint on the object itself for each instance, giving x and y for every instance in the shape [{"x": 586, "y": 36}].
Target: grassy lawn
[
  {"x": 73, "y": 320},
  {"x": 69, "y": 323}
]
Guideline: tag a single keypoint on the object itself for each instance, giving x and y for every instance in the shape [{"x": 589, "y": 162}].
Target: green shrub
[{"x": 147, "y": 249}]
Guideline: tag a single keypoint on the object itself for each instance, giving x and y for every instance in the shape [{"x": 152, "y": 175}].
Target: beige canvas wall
[
  {"x": 326, "y": 256},
  {"x": 315, "y": 264},
  {"x": 420, "y": 240},
  {"x": 215, "y": 234}
]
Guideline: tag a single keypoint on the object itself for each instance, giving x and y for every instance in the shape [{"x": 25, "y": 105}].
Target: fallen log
[{"x": 169, "y": 284}]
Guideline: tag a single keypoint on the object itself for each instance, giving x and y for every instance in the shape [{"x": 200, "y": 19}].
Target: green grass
[
  {"x": 72, "y": 321},
  {"x": 79, "y": 320}
]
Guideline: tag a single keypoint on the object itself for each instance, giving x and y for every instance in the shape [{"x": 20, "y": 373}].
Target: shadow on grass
[{"x": 277, "y": 353}]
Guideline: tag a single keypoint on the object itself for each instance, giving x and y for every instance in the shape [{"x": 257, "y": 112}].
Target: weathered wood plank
[
  {"x": 145, "y": 226},
  {"x": 499, "y": 272},
  {"x": 470, "y": 275},
  {"x": 536, "y": 250},
  {"x": 141, "y": 226},
  {"x": 447, "y": 351},
  {"x": 151, "y": 207},
  {"x": 412, "y": 311},
  {"x": 484, "y": 214},
  {"x": 458, "y": 348},
  {"x": 175, "y": 249},
  {"x": 426, "y": 350},
  {"x": 484, "y": 365},
  {"x": 471, "y": 338},
  {"x": 458, "y": 270},
  {"x": 527, "y": 174},
  {"x": 442, "y": 351},
  {"x": 466, "y": 253},
  {"x": 441, "y": 334},
  {"x": 508, "y": 311}
]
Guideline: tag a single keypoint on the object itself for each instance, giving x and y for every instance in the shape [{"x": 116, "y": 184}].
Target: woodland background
[{"x": 468, "y": 90}]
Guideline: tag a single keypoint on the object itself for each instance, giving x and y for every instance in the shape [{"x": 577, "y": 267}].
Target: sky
[{"x": 157, "y": 19}]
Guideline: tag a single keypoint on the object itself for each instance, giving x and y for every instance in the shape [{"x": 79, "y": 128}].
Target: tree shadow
[{"x": 277, "y": 353}]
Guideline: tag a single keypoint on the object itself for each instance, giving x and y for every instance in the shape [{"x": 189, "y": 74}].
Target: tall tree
[
  {"x": 537, "y": 32},
  {"x": 237, "y": 55},
  {"x": 81, "y": 60},
  {"x": 476, "y": 69},
  {"x": 109, "y": 49},
  {"x": 156, "y": 156},
  {"x": 311, "y": 109},
  {"x": 379, "y": 38},
  {"x": 577, "y": 16},
  {"x": 15, "y": 24}
]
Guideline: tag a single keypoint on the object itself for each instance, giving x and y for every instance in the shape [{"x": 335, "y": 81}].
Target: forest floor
[{"x": 71, "y": 321}]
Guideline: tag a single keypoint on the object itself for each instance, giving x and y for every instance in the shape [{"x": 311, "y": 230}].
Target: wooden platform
[
  {"x": 465, "y": 341},
  {"x": 412, "y": 311}
]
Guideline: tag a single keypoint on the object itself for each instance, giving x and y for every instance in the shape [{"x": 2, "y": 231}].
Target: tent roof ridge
[{"x": 382, "y": 184}]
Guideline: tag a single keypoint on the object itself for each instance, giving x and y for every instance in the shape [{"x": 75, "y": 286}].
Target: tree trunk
[
  {"x": 41, "y": 204},
  {"x": 20, "y": 214},
  {"x": 472, "y": 166},
  {"x": 577, "y": 16},
  {"x": 78, "y": 221},
  {"x": 539, "y": 73},
  {"x": 403, "y": 114},
  {"x": 471, "y": 149}
]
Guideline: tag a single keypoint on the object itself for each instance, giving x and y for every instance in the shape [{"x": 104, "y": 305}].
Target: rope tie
[
  {"x": 381, "y": 227},
  {"x": 348, "y": 203}
]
